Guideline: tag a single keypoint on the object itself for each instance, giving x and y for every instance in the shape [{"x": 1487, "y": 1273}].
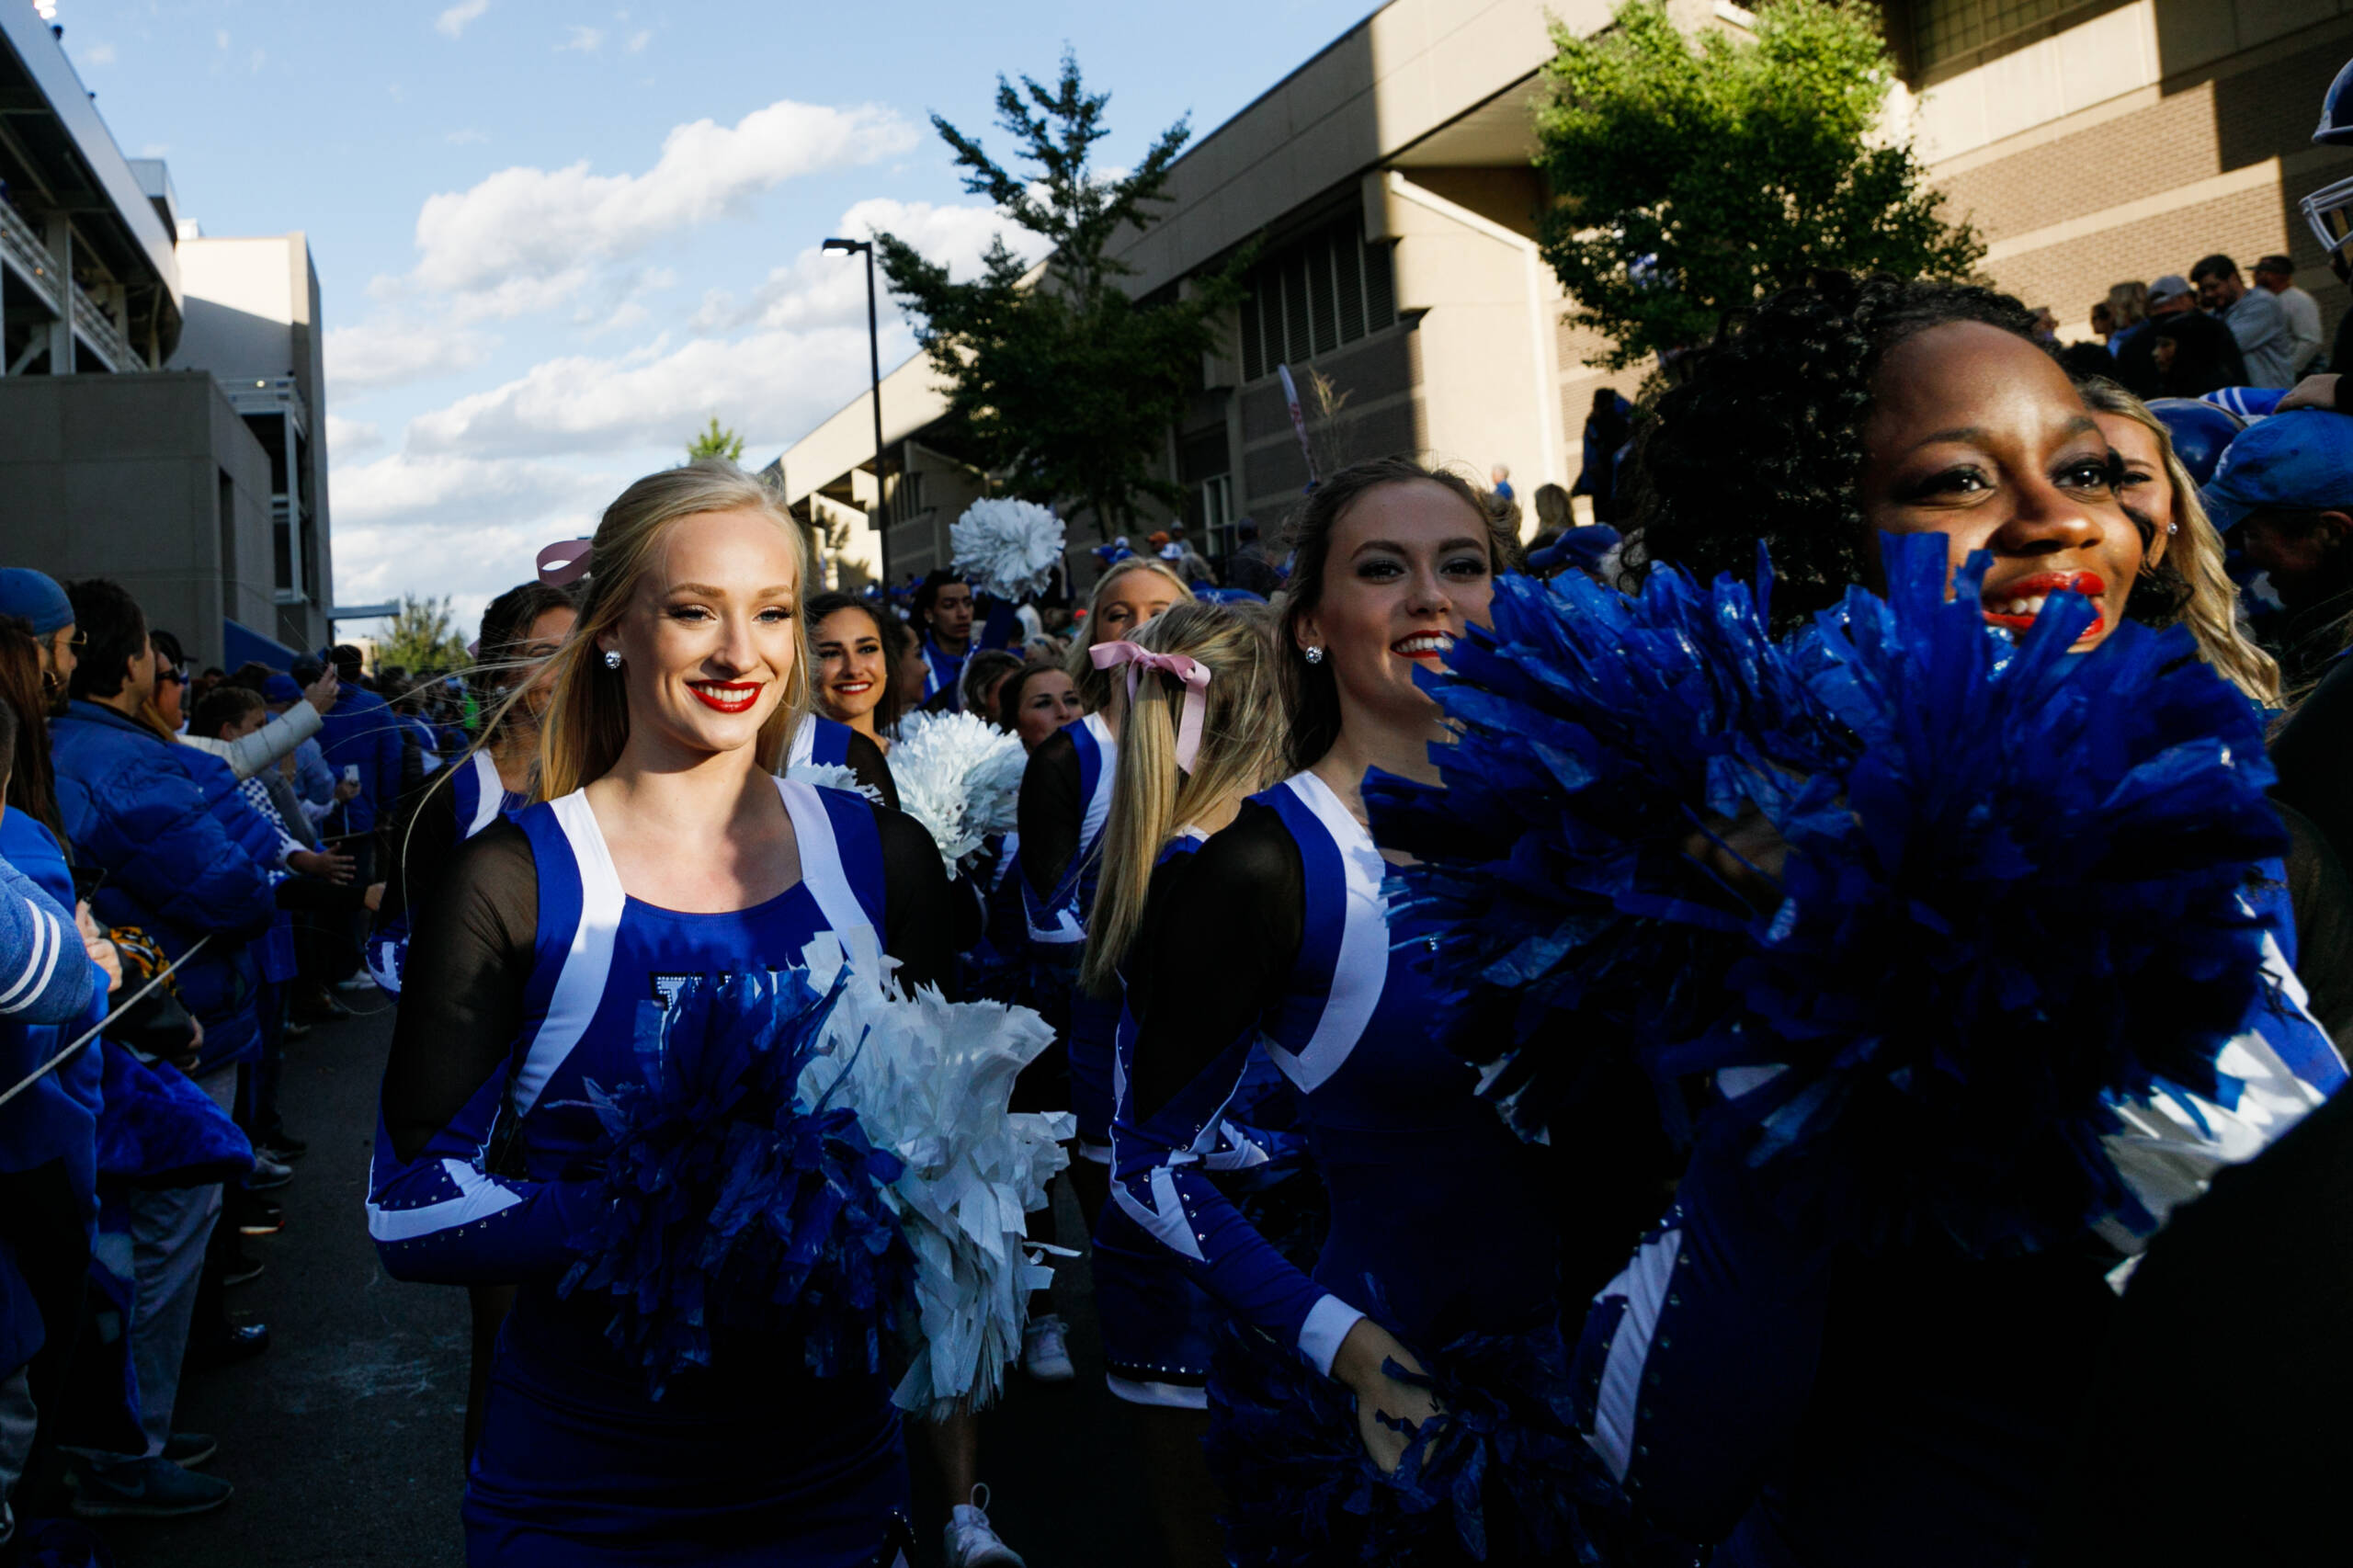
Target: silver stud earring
[
  {"x": 1314, "y": 655},
  {"x": 612, "y": 658},
  {"x": 2173, "y": 527}
]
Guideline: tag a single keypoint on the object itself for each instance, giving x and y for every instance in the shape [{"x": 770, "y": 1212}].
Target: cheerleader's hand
[
  {"x": 1360, "y": 1364},
  {"x": 1745, "y": 853}
]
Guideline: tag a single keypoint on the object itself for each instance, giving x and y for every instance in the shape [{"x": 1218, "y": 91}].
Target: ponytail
[{"x": 1241, "y": 752}]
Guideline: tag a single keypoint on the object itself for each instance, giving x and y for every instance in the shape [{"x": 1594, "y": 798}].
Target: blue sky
[{"x": 553, "y": 239}]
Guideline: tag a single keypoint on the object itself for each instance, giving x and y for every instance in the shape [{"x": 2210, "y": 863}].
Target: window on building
[
  {"x": 1203, "y": 468},
  {"x": 1944, "y": 30},
  {"x": 1314, "y": 295},
  {"x": 907, "y": 501}
]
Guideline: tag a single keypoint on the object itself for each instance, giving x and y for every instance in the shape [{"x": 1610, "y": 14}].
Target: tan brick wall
[{"x": 2238, "y": 113}]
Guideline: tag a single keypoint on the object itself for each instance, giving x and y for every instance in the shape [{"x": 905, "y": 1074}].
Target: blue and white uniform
[
  {"x": 1434, "y": 1228},
  {"x": 942, "y": 671},
  {"x": 819, "y": 742},
  {"x": 1821, "y": 1406},
  {"x": 1057, "y": 892},
  {"x": 754, "y": 1461}
]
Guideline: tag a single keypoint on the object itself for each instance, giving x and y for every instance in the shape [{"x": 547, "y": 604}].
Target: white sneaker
[
  {"x": 1044, "y": 1356},
  {"x": 363, "y": 981},
  {"x": 970, "y": 1543}
]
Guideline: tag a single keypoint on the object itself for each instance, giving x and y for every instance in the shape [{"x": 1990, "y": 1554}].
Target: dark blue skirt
[{"x": 755, "y": 1462}]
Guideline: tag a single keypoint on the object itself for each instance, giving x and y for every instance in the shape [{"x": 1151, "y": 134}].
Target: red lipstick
[
  {"x": 726, "y": 696},
  {"x": 2015, "y": 604}
]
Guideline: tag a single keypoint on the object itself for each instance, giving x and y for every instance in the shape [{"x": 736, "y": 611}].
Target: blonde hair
[
  {"x": 2195, "y": 552},
  {"x": 586, "y": 722},
  {"x": 1241, "y": 752},
  {"x": 1095, "y": 685}
]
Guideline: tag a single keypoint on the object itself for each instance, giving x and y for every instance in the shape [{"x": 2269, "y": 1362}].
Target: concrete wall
[{"x": 152, "y": 480}]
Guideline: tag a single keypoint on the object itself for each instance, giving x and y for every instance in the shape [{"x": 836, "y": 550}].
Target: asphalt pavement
[{"x": 342, "y": 1440}]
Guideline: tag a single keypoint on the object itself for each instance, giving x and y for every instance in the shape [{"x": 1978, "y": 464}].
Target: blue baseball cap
[
  {"x": 280, "y": 688},
  {"x": 2301, "y": 460},
  {"x": 35, "y": 596}
]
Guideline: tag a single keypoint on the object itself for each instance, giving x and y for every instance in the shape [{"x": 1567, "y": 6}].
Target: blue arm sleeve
[
  {"x": 1160, "y": 1181},
  {"x": 1695, "y": 1363},
  {"x": 46, "y": 975},
  {"x": 442, "y": 1217}
]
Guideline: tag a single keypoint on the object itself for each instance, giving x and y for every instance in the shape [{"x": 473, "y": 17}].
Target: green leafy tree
[
  {"x": 422, "y": 637},
  {"x": 718, "y": 441},
  {"x": 1697, "y": 175},
  {"x": 1063, "y": 386}
]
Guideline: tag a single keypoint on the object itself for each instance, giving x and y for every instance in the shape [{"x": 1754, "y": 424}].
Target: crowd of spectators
[
  {"x": 187, "y": 867},
  {"x": 2187, "y": 336}
]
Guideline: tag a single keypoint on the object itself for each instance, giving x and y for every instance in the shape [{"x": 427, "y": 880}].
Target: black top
[
  {"x": 1050, "y": 810},
  {"x": 469, "y": 963},
  {"x": 865, "y": 760},
  {"x": 2206, "y": 356},
  {"x": 2313, "y": 752}
]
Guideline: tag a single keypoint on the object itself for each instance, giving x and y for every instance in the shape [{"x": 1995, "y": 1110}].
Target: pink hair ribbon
[
  {"x": 1191, "y": 673},
  {"x": 560, "y": 566}
]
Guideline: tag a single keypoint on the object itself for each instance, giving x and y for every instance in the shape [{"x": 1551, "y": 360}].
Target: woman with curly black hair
[{"x": 1804, "y": 1395}]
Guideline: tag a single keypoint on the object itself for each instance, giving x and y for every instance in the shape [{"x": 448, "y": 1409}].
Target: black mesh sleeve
[
  {"x": 866, "y": 760},
  {"x": 1049, "y": 813},
  {"x": 423, "y": 834},
  {"x": 1221, "y": 935},
  {"x": 462, "y": 1004},
  {"x": 919, "y": 907}
]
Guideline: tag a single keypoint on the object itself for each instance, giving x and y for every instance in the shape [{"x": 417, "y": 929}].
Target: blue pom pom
[
  {"x": 730, "y": 1205},
  {"x": 2012, "y": 893},
  {"x": 1505, "y": 1477}
]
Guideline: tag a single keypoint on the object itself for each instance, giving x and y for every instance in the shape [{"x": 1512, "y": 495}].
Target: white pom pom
[
  {"x": 832, "y": 775},
  {"x": 1007, "y": 548},
  {"x": 930, "y": 1081},
  {"x": 957, "y": 774}
]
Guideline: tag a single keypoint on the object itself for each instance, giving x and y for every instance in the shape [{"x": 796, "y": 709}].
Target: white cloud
[
  {"x": 638, "y": 40},
  {"x": 583, "y": 40},
  {"x": 348, "y": 438},
  {"x": 769, "y": 385},
  {"x": 462, "y": 527},
  {"x": 819, "y": 290},
  {"x": 388, "y": 352},
  {"x": 451, "y": 23},
  {"x": 527, "y": 221},
  {"x": 465, "y": 137},
  {"x": 101, "y": 54}
]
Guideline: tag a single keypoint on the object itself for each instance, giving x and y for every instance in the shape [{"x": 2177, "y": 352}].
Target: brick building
[
  {"x": 1388, "y": 181},
  {"x": 2096, "y": 143}
]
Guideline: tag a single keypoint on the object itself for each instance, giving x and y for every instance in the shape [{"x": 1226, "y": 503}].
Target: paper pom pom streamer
[
  {"x": 834, "y": 776},
  {"x": 732, "y": 1203},
  {"x": 931, "y": 1080},
  {"x": 2012, "y": 903},
  {"x": 1006, "y": 546},
  {"x": 1504, "y": 1476},
  {"x": 959, "y": 776}
]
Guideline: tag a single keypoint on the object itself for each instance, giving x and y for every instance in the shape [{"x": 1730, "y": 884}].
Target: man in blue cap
[
  {"x": 2284, "y": 490},
  {"x": 36, "y": 599}
]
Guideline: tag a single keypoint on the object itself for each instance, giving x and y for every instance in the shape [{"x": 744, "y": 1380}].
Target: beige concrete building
[
  {"x": 2096, "y": 143},
  {"x": 1390, "y": 182}
]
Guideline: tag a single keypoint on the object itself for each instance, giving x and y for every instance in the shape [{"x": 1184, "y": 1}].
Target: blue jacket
[
  {"x": 364, "y": 733},
  {"x": 186, "y": 857},
  {"x": 57, "y": 1118}
]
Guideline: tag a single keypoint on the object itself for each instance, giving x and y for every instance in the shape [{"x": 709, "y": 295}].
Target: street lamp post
[{"x": 874, "y": 359}]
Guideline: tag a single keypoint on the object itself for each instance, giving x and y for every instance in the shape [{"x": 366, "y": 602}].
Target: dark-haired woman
[
  {"x": 1806, "y": 1401},
  {"x": 1439, "y": 1224},
  {"x": 854, "y": 695},
  {"x": 661, "y": 850}
]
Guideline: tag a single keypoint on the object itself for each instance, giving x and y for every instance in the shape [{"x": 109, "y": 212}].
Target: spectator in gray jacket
[
  {"x": 2254, "y": 318},
  {"x": 2276, "y": 276}
]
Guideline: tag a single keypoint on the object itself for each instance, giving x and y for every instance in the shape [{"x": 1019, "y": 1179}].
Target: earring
[
  {"x": 1314, "y": 655},
  {"x": 2173, "y": 527},
  {"x": 612, "y": 658}
]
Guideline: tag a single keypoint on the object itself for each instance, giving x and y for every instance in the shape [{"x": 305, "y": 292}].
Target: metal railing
[
  {"x": 24, "y": 247},
  {"x": 97, "y": 328}
]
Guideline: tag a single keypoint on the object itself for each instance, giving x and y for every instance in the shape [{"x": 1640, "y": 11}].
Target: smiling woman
[{"x": 661, "y": 854}]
